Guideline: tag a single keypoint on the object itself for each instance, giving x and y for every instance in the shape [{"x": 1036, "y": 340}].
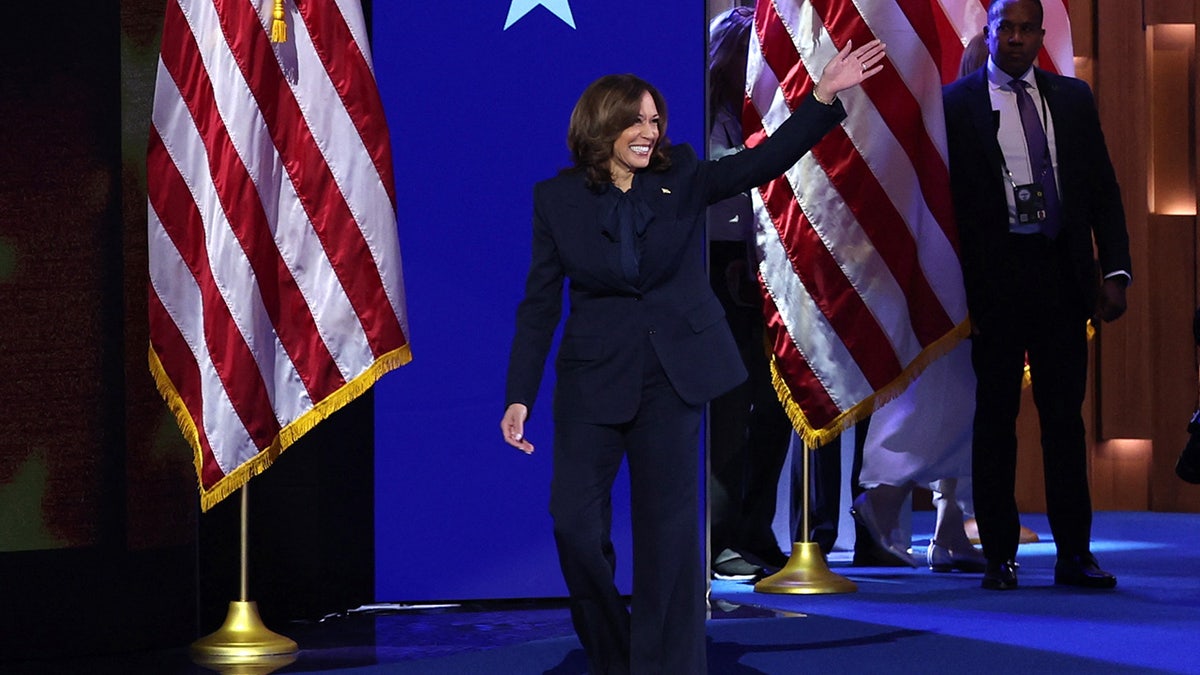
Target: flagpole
[
  {"x": 243, "y": 640},
  {"x": 806, "y": 571}
]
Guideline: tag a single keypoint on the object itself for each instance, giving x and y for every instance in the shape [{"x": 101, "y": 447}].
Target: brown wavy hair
[{"x": 607, "y": 107}]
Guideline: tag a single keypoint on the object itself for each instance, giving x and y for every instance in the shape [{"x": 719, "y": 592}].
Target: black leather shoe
[
  {"x": 1000, "y": 575},
  {"x": 1082, "y": 570},
  {"x": 729, "y": 566}
]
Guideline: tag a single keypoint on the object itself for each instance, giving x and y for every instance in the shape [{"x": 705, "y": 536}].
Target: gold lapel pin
[{"x": 666, "y": 191}]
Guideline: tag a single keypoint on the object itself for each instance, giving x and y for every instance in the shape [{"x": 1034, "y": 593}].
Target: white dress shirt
[{"x": 1011, "y": 135}]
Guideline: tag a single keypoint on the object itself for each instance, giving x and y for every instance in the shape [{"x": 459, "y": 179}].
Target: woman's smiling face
[{"x": 633, "y": 147}]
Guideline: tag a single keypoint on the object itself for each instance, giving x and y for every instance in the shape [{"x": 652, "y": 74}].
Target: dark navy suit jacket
[
  {"x": 1087, "y": 185},
  {"x": 611, "y": 324}
]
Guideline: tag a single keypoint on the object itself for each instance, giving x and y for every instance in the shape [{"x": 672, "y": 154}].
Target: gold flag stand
[
  {"x": 806, "y": 572},
  {"x": 243, "y": 645}
]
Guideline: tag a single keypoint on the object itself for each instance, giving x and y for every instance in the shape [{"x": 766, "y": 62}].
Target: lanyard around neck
[{"x": 1045, "y": 129}]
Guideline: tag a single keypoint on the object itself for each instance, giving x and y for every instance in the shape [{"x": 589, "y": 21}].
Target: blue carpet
[
  {"x": 901, "y": 619},
  {"x": 1151, "y": 620},
  {"x": 898, "y": 620},
  {"x": 786, "y": 645}
]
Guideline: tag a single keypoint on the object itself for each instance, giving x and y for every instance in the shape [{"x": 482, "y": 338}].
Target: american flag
[
  {"x": 276, "y": 291},
  {"x": 857, "y": 244}
]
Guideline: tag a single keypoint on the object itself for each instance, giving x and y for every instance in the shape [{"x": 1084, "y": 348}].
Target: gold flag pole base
[
  {"x": 243, "y": 645},
  {"x": 244, "y": 639},
  {"x": 805, "y": 573}
]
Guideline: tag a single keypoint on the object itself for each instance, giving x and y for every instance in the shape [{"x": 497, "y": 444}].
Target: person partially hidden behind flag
[
  {"x": 644, "y": 347},
  {"x": 922, "y": 438},
  {"x": 1032, "y": 184},
  {"x": 748, "y": 429}
]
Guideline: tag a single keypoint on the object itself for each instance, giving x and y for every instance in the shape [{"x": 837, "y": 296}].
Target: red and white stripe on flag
[
  {"x": 276, "y": 291},
  {"x": 857, "y": 243},
  {"x": 959, "y": 20}
]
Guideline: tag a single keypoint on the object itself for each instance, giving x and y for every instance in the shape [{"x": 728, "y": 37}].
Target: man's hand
[{"x": 1112, "y": 299}]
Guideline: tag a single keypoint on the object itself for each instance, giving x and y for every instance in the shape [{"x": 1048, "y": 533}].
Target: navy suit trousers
[{"x": 663, "y": 630}]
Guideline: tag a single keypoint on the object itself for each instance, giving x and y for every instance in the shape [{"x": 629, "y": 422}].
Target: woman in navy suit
[{"x": 645, "y": 346}]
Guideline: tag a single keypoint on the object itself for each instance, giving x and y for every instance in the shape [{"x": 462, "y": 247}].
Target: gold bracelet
[{"x": 823, "y": 102}]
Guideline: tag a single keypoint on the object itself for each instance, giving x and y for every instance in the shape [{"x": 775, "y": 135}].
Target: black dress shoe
[
  {"x": 1082, "y": 570},
  {"x": 1000, "y": 575},
  {"x": 729, "y": 566}
]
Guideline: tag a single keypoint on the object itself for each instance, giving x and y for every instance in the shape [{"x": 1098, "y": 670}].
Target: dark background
[{"x": 102, "y": 544}]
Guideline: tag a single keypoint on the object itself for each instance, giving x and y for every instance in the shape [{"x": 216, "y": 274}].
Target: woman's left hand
[
  {"x": 850, "y": 67},
  {"x": 512, "y": 427}
]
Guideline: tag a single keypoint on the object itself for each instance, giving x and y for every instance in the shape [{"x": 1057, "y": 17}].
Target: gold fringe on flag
[
  {"x": 287, "y": 436},
  {"x": 278, "y": 25},
  {"x": 814, "y": 437}
]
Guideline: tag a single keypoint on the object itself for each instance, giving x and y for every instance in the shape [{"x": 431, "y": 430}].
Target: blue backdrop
[{"x": 478, "y": 113}]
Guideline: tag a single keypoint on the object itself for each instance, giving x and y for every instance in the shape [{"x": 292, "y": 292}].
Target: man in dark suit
[{"x": 1032, "y": 185}]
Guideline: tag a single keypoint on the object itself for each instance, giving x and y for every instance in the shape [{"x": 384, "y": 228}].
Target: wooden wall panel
[
  {"x": 1124, "y": 347},
  {"x": 1119, "y": 472},
  {"x": 1171, "y": 11},
  {"x": 1147, "y": 362},
  {"x": 1174, "y": 362}
]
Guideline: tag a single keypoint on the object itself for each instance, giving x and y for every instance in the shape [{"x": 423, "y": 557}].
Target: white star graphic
[{"x": 519, "y": 8}]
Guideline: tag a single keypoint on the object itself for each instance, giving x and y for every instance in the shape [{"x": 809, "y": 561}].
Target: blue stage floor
[
  {"x": 898, "y": 620},
  {"x": 1150, "y": 621}
]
